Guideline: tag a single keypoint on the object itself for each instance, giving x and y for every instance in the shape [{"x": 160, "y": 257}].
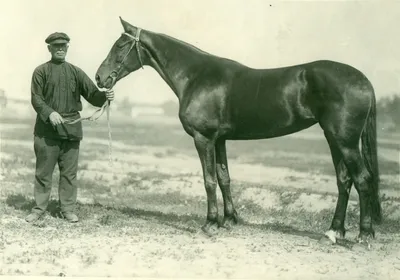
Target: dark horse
[{"x": 220, "y": 99}]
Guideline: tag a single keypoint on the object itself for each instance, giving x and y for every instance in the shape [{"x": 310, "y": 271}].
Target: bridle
[
  {"x": 113, "y": 75},
  {"x": 136, "y": 41}
]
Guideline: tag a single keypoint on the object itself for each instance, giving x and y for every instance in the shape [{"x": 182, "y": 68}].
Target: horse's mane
[{"x": 193, "y": 47}]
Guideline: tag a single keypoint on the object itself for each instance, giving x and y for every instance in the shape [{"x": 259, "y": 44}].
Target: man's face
[{"x": 58, "y": 51}]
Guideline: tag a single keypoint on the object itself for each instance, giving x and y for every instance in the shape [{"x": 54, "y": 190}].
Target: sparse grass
[
  {"x": 20, "y": 159},
  {"x": 288, "y": 198},
  {"x": 136, "y": 180},
  {"x": 305, "y": 164},
  {"x": 135, "y": 218}
]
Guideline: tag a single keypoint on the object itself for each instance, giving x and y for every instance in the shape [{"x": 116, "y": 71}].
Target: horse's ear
[{"x": 125, "y": 24}]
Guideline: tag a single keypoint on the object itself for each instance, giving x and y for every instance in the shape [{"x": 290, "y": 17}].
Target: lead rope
[
  {"x": 136, "y": 41},
  {"x": 109, "y": 133},
  {"x": 106, "y": 105}
]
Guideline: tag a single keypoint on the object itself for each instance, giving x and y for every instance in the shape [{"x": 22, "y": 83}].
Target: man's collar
[{"x": 55, "y": 61}]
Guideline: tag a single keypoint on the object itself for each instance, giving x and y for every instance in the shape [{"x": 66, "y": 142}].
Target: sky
[{"x": 257, "y": 33}]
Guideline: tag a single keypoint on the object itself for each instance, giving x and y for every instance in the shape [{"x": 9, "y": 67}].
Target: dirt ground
[{"x": 141, "y": 216}]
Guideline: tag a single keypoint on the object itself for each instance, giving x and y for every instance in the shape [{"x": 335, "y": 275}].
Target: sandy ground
[{"x": 164, "y": 240}]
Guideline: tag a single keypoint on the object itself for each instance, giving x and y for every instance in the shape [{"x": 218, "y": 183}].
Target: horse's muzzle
[
  {"x": 99, "y": 83},
  {"x": 108, "y": 83}
]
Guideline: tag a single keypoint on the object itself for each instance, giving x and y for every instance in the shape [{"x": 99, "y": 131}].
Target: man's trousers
[{"x": 50, "y": 152}]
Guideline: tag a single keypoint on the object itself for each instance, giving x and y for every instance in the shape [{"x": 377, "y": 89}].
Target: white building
[{"x": 145, "y": 110}]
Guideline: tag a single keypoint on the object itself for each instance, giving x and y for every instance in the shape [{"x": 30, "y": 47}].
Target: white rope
[
  {"x": 109, "y": 133},
  {"x": 92, "y": 118}
]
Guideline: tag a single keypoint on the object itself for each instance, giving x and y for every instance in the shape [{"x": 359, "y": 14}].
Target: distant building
[
  {"x": 17, "y": 109},
  {"x": 138, "y": 110}
]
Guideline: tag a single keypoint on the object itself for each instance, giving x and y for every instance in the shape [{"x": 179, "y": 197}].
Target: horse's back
[
  {"x": 238, "y": 102},
  {"x": 267, "y": 103}
]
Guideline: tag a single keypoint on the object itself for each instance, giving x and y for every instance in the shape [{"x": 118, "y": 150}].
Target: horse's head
[{"x": 124, "y": 57}]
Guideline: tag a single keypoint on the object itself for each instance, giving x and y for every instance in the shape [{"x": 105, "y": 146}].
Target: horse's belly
[{"x": 271, "y": 127}]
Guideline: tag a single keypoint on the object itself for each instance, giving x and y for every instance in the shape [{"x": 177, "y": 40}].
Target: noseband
[{"x": 136, "y": 40}]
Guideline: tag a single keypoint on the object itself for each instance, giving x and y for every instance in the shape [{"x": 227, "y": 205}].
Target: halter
[
  {"x": 113, "y": 75},
  {"x": 136, "y": 40}
]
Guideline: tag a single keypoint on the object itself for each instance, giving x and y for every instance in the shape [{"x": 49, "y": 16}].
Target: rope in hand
[
  {"x": 109, "y": 131},
  {"x": 106, "y": 105}
]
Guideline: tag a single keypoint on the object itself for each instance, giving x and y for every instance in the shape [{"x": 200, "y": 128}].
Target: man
[{"x": 56, "y": 88}]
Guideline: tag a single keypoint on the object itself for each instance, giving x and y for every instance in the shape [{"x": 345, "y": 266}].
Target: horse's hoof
[
  {"x": 329, "y": 238},
  {"x": 210, "y": 229},
  {"x": 325, "y": 240},
  {"x": 361, "y": 247},
  {"x": 229, "y": 223},
  {"x": 363, "y": 242}
]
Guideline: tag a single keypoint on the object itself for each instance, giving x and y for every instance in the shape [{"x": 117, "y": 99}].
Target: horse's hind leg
[
  {"x": 230, "y": 214},
  {"x": 362, "y": 179},
  {"x": 347, "y": 143},
  {"x": 344, "y": 183}
]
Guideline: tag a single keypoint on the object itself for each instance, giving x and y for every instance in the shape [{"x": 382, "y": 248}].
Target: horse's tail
[{"x": 370, "y": 156}]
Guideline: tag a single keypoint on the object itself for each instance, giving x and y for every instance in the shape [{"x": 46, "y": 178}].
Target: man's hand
[
  {"x": 110, "y": 94},
  {"x": 56, "y": 119}
]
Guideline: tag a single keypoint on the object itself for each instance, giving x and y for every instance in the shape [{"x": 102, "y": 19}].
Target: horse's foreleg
[
  {"x": 206, "y": 150},
  {"x": 230, "y": 214}
]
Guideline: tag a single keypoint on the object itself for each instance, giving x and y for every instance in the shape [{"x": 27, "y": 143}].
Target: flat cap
[{"x": 57, "y": 38}]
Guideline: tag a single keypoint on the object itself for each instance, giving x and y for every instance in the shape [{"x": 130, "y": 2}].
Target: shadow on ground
[
  {"x": 191, "y": 223},
  {"x": 187, "y": 222},
  {"x": 20, "y": 202}
]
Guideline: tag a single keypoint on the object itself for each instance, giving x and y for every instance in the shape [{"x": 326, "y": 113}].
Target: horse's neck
[{"x": 174, "y": 61}]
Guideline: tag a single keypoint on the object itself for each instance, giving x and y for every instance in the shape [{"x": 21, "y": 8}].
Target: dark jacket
[{"x": 58, "y": 86}]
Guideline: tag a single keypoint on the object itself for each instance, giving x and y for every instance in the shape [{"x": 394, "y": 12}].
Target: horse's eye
[{"x": 120, "y": 45}]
